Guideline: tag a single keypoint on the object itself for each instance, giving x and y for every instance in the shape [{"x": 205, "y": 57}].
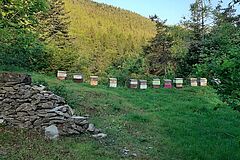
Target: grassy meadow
[{"x": 189, "y": 123}]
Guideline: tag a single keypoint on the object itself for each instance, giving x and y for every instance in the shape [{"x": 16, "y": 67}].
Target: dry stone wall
[{"x": 23, "y": 105}]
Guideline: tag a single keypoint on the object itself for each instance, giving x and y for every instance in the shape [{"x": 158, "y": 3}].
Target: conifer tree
[
  {"x": 54, "y": 24},
  {"x": 158, "y": 53},
  {"x": 200, "y": 12}
]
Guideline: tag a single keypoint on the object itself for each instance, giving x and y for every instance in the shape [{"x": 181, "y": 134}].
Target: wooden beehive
[
  {"x": 167, "y": 83},
  {"x": 203, "y": 82},
  {"x": 78, "y": 78},
  {"x": 156, "y": 83},
  {"x": 93, "y": 80},
  {"x": 178, "y": 82},
  {"x": 133, "y": 83},
  {"x": 61, "y": 75},
  {"x": 194, "y": 82},
  {"x": 112, "y": 82},
  {"x": 142, "y": 84}
]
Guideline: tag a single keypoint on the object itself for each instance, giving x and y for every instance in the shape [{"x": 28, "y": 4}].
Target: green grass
[{"x": 189, "y": 123}]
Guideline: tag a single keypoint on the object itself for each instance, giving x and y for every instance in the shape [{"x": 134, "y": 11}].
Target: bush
[
  {"x": 222, "y": 61},
  {"x": 22, "y": 48}
]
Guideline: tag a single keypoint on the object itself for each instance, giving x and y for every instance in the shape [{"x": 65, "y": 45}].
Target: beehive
[
  {"x": 61, "y": 75},
  {"x": 133, "y": 83},
  {"x": 203, "y": 82},
  {"x": 93, "y": 80},
  {"x": 78, "y": 78},
  {"x": 167, "y": 83},
  {"x": 142, "y": 84},
  {"x": 156, "y": 83},
  {"x": 178, "y": 82},
  {"x": 112, "y": 82},
  {"x": 193, "y": 82}
]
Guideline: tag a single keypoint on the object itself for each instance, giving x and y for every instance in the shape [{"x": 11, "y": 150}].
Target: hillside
[
  {"x": 106, "y": 35},
  {"x": 190, "y": 123}
]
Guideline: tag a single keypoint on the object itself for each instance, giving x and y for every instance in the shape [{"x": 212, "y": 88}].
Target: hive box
[
  {"x": 93, "y": 80},
  {"x": 61, "y": 75},
  {"x": 203, "y": 82},
  {"x": 156, "y": 83},
  {"x": 193, "y": 82},
  {"x": 167, "y": 83},
  {"x": 142, "y": 84},
  {"x": 112, "y": 82},
  {"x": 133, "y": 83},
  {"x": 78, "y": 78},
  {"x": 178, "y": 82}
]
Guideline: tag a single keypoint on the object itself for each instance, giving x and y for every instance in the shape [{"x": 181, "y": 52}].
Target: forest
[{"x": 97, "y": 39}]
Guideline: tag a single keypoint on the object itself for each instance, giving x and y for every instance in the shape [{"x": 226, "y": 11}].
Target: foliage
[
  {"x": 19, "y": 47},
  {"x": 19, "y": 44},
  {"x": 127, "y": 68},
  {"x": 166, "y": 49},
  {"x": 20, "y": 13},
  {"x": 200, "y": 12},
  {"x": 53, "y": 25},
  {"x": 222, "y": 61},
  {"x": 158, "y": 53},
  {"x": 106, "y": 34}
]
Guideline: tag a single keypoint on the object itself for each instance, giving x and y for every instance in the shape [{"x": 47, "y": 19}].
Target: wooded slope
[{"x": 105, "y": 34}]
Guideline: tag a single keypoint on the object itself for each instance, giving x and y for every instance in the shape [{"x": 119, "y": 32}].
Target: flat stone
[
  {"x": 56, "y": 109},
  {"x": 21, "y": 114},
  {"x": 27, "y": 94},
  {"x": 39, "y": 88},
  {"x": 8, "y": 89},
  {"x": 51, "y": 132},
  {"x": 48, "y": 105},
  {"x": 15, "y": 78},
  {"x": 78, "y": 118},
  {"x": 7, "y": 100},
  {"x": 99, "y": 135},
  {"x": 26, "y": 107},
  {"x": 72, "y": 131}
]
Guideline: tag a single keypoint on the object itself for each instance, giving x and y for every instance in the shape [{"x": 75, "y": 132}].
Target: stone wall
[{"x": 32, "y": 107}]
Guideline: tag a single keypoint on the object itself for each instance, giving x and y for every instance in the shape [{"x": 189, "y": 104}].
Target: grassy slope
[{"x": 154, "y": 124}]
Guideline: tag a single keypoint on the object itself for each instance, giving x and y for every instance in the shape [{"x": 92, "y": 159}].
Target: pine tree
[
  {"x": 228, "y": 14},
  {"x": 54, "y": 24},
  {"x": 200, "y": 12},
  {"x": 158, "y": 53}
]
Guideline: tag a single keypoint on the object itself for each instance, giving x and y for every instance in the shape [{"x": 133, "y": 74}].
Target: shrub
[{"x": 22, "y": 48}]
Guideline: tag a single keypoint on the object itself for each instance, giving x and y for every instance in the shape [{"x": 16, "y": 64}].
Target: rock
[
  {"x": 15, "y": 78},
  {"x": 7, "y": 100},
  {"x": 56, "y": 109},
  {"x": 91, "y": 128},
  {"x": 99, "y": 135},
  {"x": 77, "y": 128},
  {"x": 26, "y": 107},
  {"x": 72, "y": 131},
  {"x": 1, "y": 121},
  {"x": 32, "y": 107},
  {"x": 8, "y": 89},
  {"x": 27, "y": 94},
  {"x": 134, "y": 154},
  {"x": 21, "y": 114},
  {"x": 51, "y": 132},
  {"x": 48, "y": 105},
  {"x": 125, "y": 151},
  {"x": 39, "y": 88},
  {"x": 78, "y": 119}
]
